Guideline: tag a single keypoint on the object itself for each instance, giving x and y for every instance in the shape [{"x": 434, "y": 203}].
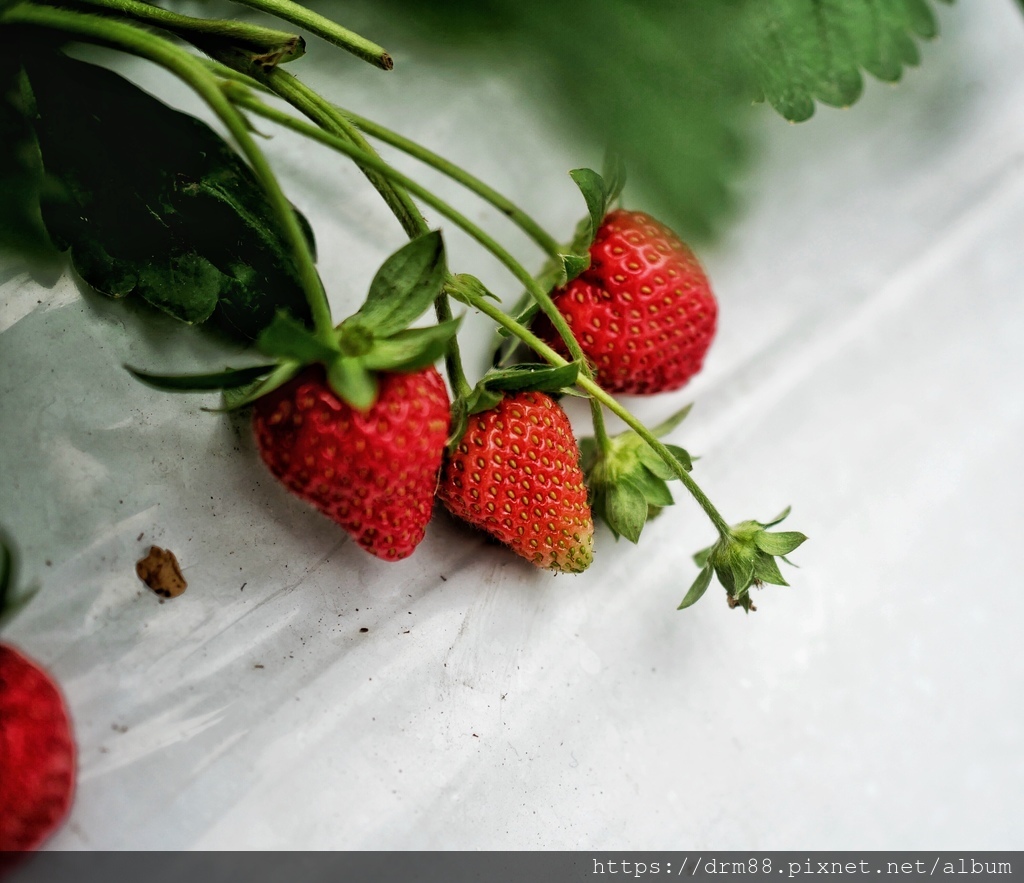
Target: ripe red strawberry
[
  {"x": 373, "y": 472},
  {"x": 37, "y": 754},
  {"x": 643, "y": 312},
  {"x": 516, "y": 475}
]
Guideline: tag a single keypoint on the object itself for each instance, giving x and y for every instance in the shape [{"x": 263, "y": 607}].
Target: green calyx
[
  {"x": 496, "y": 383},
  {"x": 743, "y": 558},
  {"x": 374, "y": 339},
  {"x": 628, "y": 481}
]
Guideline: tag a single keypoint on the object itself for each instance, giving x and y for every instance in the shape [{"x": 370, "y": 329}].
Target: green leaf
[
  {"x": 697, "y": 590},
  {"x": 591, "y": 185},
  {"x": 541, "y": 377},
  {"x": 239, "y": 397},
  {"x": 779, "y": 542},
  {"x": 614, "y": 174},
  {"x": 232, "y": 378},
  {"x": 654, "y": 489},
  {"x": 285, "y": 338},
  {"x": 11, "y": 601},
  {"x": 412, "y": 349},
  {"x": 625, "y": 510},
  {"x": 405, "y": 285},
  {"x": 482, "y": 399},
  {"x": 701, "y": 558},
  {"x": 153, "y": 203},
  {"x": 574, "y": 264},
  {"x": 670, "y": 423},
  {"x": 808, "y": 50},
  {"x": 659, "y": 467},
  {"x": 351, "y": 380},
  {"x": 767, "y": 571},
  {"x": 782, "y": 516}
]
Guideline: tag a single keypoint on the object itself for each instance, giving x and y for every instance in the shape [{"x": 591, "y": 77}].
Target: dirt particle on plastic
[
  {"x": 160, "y": 571},
  {"x": 364, "y": 629}
]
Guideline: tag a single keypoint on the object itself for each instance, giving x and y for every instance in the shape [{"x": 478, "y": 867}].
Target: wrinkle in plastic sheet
[{"x": 867, "y": 371}]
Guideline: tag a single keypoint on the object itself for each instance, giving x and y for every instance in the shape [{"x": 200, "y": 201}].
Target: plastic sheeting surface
[{"x": 868, "y": 372}]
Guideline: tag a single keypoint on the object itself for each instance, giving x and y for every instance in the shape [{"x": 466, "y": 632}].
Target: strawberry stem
[
  {"x": 508, "y": 208},
  {"x": 325, "y": 28},
  {"x": 185, "y": 66},
  {"x": 270, "y": 46}
]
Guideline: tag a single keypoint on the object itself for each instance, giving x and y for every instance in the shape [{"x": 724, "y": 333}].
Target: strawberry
[
  {"x": 372, "y": 471},
  {"x": 37, "y": 754},
  {"x": 515, "y": 473},
  {"x": 643, "y": 312}
]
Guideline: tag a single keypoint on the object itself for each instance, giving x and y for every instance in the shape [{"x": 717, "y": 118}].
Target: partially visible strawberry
[
  {"x": 374, "y": 472},
  {"x": 515, "y": 473},
  {"x": 643, "y": 312},
  {"x": 37, "y": 754}
]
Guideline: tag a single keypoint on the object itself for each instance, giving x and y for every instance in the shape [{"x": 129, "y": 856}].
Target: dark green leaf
[
  {"x": 230, "y": 379},
  {"x": 154, "y": 203},
  {"x": 625, "y": 510},
  {"x": 405, "y": 285},
  {"x": 285, "y": 338},
  {"x": 591, "y": 185},
  {"x": 412, "y": 349},
  {"x": 697, "y": 590},
  {"x": 545, "y": 378},
  {"x": 351, "y": 380},
  {"x": 778, "y": 543},
  {"x": 21, "y": 225}
]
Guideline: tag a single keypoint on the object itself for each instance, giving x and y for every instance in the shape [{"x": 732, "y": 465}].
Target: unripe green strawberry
[
  {"x": 516, "y": 475},
  {"x": 374, "y": 472},
  {"x": 37, "y": 754},
  {"x": 643, "y": 312}
]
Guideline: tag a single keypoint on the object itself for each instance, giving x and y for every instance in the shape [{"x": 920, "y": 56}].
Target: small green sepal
[
  {"x": 231, "y": 378},
  {"x": 697, "y": 590},
  {"x": 352, "y": 381},
  {"x": 412, "y": 349},
  {"x": 629, "y": 481},
  {"x": 745, "y": 558},
  {"x": 574, "y": 264},
  {"x": 240, "y": 396},
  {"x": 284, "y": 338}
]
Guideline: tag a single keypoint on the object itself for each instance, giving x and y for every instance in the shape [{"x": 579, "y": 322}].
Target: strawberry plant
[{"x": 352, "y": 416}]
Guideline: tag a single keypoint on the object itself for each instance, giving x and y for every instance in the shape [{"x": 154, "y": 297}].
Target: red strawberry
[
  {"x": 643, "y": 312},
  {"x": 516, "y": 475},
  {"x": 37, "y": 754},
  {"x": 373, "y": 472}
]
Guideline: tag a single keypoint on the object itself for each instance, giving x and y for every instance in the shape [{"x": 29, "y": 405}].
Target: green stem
[
  {"x": 527, "y": 224},
  {"x": 269, "y": 46},
  {"x": 376, "y": 164},
  {"x": 323, "y": 27},
  {"x": 321, "y": 112},
  {"x": 185, "y": 66}
]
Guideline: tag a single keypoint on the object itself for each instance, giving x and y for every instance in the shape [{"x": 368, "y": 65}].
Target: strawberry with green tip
[{"x": 515, "y": 473}]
